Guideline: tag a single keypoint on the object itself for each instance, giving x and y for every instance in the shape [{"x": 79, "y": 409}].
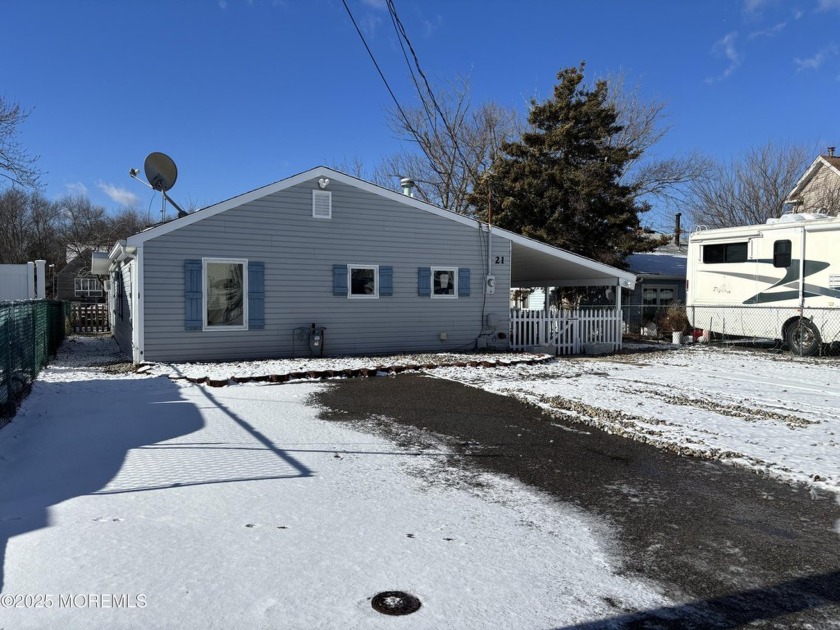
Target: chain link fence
[
  {"x": 806, "y": 332},
  {"x": 30, "y": 333}
]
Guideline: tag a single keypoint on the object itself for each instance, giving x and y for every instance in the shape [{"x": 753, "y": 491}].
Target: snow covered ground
[
  {"x": 772, "y": 413},
  {"x": 135, "y": 501}
]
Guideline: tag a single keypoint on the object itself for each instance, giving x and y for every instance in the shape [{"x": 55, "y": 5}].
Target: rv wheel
[{"x": 803, "y": 338}]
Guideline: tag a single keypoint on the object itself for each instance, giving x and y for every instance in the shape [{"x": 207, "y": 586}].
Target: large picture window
[
  {"x": 445, "y": 282},
  {"x": 363, "y": 281},
  {"x": 225, "y": 293}
]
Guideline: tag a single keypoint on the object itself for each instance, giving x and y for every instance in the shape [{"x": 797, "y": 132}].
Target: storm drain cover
[{"x": 395, "y": 603}]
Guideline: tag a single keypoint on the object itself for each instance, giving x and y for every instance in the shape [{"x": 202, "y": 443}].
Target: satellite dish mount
[{"x": 161, "y": 174}]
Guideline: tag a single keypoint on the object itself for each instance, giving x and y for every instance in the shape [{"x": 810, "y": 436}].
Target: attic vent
[{"x": 321, "y": 204}]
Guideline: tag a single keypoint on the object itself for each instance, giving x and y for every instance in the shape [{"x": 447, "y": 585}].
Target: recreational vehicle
[{"x": 778, "y": 281}]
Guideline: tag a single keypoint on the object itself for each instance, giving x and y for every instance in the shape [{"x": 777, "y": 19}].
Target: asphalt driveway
[{"x": 737, "y": 548}]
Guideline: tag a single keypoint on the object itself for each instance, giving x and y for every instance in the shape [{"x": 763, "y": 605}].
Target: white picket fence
[{"x": 589, "y": 330}]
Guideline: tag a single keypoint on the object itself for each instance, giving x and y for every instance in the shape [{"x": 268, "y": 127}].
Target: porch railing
[{"x": 584, "y": 330}]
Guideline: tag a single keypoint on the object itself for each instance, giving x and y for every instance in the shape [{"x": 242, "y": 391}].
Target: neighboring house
[
  {"x": 382, "y": 272},
  {"x": 818, "y": 190},
  {"x": 660, "y": 281},
  {"x": 75, "y": 282}
]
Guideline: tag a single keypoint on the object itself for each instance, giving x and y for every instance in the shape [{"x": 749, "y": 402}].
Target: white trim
[
  {"x": 812, "y": 171},
  {"x": 366, "y": 296},
  {"x": 450, "y": 269},
  {"x": 230, "y": 261}
]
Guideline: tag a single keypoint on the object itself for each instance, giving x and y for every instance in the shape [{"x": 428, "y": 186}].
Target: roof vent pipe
[
  {"x": 407, "y": 186},
  {"x": 830, "y": 151}
]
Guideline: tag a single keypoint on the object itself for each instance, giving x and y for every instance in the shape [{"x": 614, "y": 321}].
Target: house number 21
[{"x": 500, "y": 260}]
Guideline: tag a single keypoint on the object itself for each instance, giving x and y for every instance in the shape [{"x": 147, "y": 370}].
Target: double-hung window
[{"x": 225, "y": 294}]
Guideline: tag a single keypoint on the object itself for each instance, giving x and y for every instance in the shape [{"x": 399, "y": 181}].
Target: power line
[
  {"x": 373, "y": 59},
  {"x": 403, "y": 35}
]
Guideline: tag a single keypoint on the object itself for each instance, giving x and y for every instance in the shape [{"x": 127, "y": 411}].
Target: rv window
[
  {"x": 781, "y": 254},
  {"x": 724, "y": 253}
]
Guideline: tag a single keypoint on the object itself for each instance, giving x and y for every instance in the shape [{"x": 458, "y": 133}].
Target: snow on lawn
[
  {"x": 224, "y": 371},
  {"x": 139, "y": 502},
  {"x": 771, "y": 413}
]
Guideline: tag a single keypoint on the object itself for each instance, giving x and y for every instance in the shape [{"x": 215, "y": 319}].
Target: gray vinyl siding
[
  {"x": 299, "y": 253},
  {"x": 122, "y": 326}
]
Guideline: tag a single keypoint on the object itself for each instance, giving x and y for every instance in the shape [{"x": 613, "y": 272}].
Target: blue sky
[{"x": 242, "y": 93}]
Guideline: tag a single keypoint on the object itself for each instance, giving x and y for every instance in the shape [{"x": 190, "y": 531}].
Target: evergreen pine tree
[{"x": 561, "y": 182}]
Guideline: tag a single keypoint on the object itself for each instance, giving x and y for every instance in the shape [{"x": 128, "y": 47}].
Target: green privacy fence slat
[{"x": 30, "y": 333}]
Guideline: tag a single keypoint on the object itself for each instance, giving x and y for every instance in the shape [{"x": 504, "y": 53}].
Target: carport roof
[{"x": 535, "y": 264}]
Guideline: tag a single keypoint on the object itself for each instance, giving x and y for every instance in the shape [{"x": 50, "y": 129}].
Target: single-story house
[{"x": 378, "y": 270}]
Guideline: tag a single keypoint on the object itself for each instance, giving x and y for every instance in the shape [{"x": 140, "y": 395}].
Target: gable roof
[
  {"x": 534, "y": 263},
  {"x": 831, "y": 162}
]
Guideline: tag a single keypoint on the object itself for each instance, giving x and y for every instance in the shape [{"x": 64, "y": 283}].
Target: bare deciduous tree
[
  {"x": 749, "y": 190},
  {"x": 643, "y": 125},
  {"x": 444, "y": 168},
  {"x": 16, "y": 165}
]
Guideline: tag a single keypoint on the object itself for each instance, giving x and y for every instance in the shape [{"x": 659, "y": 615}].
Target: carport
[{"x": 591, "y": 330}]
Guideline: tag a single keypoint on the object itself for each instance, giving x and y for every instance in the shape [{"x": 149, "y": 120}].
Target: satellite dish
[{"x": 161, "y": 171}]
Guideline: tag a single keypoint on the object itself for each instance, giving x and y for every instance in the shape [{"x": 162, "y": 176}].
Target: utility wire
[
  {"x": 403, "y": 35},
  {"x": 373, "y": 59}
]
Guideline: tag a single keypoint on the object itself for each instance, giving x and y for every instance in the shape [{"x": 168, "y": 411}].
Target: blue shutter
[
  {"x": 386, "y": 281},
  {"x": 340, "y": 280},
  {"x": 192, "y": 295},
  {"x": 464, "y": 282},
  {"x": 256, "y": 295},
  {"x": 424, "y": 281}
]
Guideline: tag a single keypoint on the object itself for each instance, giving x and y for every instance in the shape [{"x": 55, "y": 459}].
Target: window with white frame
[
  {"x": 87, "y": 287},
  {"x": 444, "y": 282},
  {"x": 658, "y": 295},
  {"x": 363, "y": 281},
  {"x": 225, "y": 294}
]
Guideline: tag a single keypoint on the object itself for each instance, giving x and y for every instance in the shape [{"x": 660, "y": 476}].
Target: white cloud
[
  {"x": 370, "y": 24},
  {"x": 76, "y": 189},
  {"x": 223, "y": 4},
  {"x": 120, "y": 195},
  {"x": 828, "y": 5},
  {"x": 376, "y": 4},
  {"x": 814, "y": 63},
  {"x": 725, "y": 47},
  {"x": 769, "y": 32},
  {"x": 754, "y": 6},
  {"x": 430, "y": 26}
]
